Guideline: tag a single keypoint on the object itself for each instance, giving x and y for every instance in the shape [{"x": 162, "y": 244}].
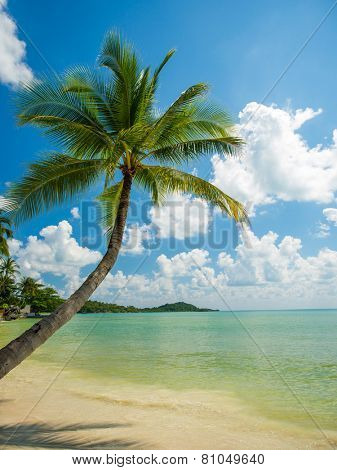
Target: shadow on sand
[{"x": 44, "y": 436}]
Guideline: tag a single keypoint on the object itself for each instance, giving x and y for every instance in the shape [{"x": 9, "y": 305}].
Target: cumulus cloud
[
  {"x": 278, "y": 163},
  {"x": 330, "y": 213},
  {"x": 323, "y": 230},
  {"x": 181, "y": 217},
  {"x": 121, "y": 286},
  {"x": 54, "y": 252},
  {"x": 134, "y": 236},
  {"x": 75, "y": 212},
  {"x": 13, "y": 69},
  {"x": 264, "y": 272},
  {"x": 262, "y": 260},
  {"x": 183, "y": 263}
]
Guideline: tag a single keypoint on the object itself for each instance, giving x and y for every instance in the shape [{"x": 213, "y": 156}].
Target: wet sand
[{"x": 41, "y": 408}]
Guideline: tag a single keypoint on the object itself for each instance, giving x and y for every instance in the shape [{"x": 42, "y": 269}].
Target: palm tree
[
  {"x": 8, "y": 268},
  {"x": 5, "y": 234},
  {"x": 29, "y": 289},
  {"x": 110, "y": 130},
  {"x": 7, "y": 291}
]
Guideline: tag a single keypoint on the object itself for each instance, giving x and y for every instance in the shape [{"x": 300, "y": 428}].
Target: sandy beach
[{"x": 42, "y": 408}]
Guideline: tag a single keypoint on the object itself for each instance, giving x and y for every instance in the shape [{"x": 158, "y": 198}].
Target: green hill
[
  {"x": 177, "y": 307},
  {"x": 93, "y": 306}
]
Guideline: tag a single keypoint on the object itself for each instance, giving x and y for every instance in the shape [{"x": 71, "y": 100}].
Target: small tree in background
[{"x": 5, "y": 234}]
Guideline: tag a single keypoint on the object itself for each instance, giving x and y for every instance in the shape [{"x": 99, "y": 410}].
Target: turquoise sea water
[{"x": 281, "y": 363}]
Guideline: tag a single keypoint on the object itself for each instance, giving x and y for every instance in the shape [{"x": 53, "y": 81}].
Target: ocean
[{"x": 281, "y": 365}]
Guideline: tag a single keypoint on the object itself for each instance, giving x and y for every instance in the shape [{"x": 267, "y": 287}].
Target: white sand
[{"x": 79, "y": 412}]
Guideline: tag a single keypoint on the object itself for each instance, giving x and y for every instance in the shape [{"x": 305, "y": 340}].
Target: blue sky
[{"x": 240, "y": 49}]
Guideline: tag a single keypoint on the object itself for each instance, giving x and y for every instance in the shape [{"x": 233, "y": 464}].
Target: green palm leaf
[
  {"x": 53, "y": 181},
  {"x": 146, "y": 179},
  {"x": 121, "y": 59},
  {"x": 97, "y": 92},
  {"x": 6, "y": 204},
  {"x": 171, "y": 120},
  {"x": 5, "y": 234},
  {"x": 109, "y": 200},
  {"x": 168, "y": 56},
  {"x": 66, "y": 116},
  {"x": 170, "y": 180},
  {"x": 185, "y": 151}
]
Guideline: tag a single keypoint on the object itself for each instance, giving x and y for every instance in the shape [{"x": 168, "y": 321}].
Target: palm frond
[
  {"x": 5, "y": 234},
  {"x": 66, "y": 116},
  {"x": 142, "y": 99},
  {"x": 183, "y": 152},
  {"x": 6, "y": 205},
  {"x": 52, "y": 181},
  {"x": 157, "y": 71},
  {"x": 109, "y": 200},
  {"x": 146, "y": 179},
  {"x": 178, "y": 109},
  {"x": 96, "y": 91},
  {"x": 171, "y": 180},
  {"x": 155, "y": 77},
  {"x": 120, "y": 58},
  {"x": 4, "y": 249},
  {"x": 191, "y": 126},
  {"x": 205, "y": 119},
  {"x": 144, "y": 95}
]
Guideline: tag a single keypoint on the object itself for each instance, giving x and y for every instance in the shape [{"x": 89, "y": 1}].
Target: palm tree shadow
[{"x": 44, "y": 436}]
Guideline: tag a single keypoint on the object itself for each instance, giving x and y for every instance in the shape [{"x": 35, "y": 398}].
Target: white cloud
[
  {"x": 265, "y": 272},
  {"x": 330, "y": 213},
  {"x": 134, "y": 236},
  {"x": 55, "y": 252},
  {"x": 261, "y": 261},
  {"x": 180, "y": 217},
  {"x": 323, "y": 231},
  {"x": 278, "y": 164},
  {"x": 120, "y": 285},
  {"x": 13, "y": 69},
  {"x": 75, "y": 212},
  {"x": 303, "y": 115},
  {"x": 182, "y": 263}
]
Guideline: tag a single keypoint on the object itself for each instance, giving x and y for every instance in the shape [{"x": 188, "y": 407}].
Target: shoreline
[
  {"x": 45, "y": 314},
  {"x": 121, "y": 415}
]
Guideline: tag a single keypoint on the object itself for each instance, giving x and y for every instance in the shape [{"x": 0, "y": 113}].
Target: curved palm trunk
[{"x": 20, "y": 348}]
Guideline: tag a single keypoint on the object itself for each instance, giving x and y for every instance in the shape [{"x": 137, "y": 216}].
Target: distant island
[{"x": 93, "y": 306}]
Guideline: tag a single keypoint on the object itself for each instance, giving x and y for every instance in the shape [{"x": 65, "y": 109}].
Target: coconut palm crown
[
  {"x": 110, "y": 130},
  {"x": 108, "y": 125},
  {"x": 8, "y": 268}
]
